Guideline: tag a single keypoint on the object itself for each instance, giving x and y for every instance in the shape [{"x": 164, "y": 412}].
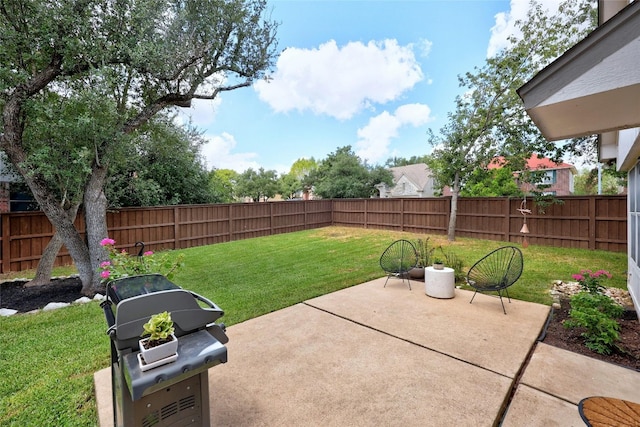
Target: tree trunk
[
  {"x": 95, "y": 213},
  {"x": 451, "y": 234},
  {"x": 60, "y": 218},
  {"x": 48, "y": 259}
]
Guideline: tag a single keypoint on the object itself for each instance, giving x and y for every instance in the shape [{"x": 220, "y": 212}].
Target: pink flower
[
  {"x": 578, "y": 277},
  {"x": 105, "y": 264},
  {"x": 148, "y": 253},
  {"x": 105, "y": 274},
  {"x": 107, "y": 242}
]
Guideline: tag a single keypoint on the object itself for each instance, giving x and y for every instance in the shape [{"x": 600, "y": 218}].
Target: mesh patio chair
[
  {"x": 400, "y": 257},
  {"x": 496, "y": 271}
]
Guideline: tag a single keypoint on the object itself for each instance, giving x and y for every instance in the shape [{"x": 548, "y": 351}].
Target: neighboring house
[
  {"x": 594, "y": 88},
  {"x": 7, "y": 177},
  {"x": 408, "y": 181},
  {"x": 558, "y": 176}
]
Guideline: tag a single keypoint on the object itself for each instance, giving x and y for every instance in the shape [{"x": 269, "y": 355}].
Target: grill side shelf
[{"x": 197, "y": 352}]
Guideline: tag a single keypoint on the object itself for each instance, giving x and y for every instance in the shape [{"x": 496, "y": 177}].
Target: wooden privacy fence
[{"x": 590, "y": 222}]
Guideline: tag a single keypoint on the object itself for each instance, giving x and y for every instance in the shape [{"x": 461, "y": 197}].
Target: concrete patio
[{"x": 370, "y": 355}]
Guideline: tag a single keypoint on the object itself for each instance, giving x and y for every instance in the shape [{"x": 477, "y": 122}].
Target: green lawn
[{"x": 47, "y": 360}]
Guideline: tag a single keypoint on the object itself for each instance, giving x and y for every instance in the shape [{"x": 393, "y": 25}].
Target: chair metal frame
[
  {"x": 496, "y": 271},
  {"x": 400, "y": 257}
]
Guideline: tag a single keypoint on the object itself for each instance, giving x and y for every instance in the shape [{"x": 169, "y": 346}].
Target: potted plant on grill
[{"x": 161, "y": 345}]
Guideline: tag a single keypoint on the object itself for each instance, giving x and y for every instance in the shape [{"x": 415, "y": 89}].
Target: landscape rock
[
  {"x": 6, "y": 312},
  {"x": 55, "y": 306}
]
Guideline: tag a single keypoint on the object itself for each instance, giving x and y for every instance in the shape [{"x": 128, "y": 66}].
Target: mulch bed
[
  {"x": 15, "y": 295},
  {"x": 569, "y": 338}
]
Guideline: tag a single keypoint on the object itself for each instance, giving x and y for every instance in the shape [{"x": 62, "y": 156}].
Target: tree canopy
[
  {"x": 111, "y": 67},
  {"x": 344, "y": 175},
  {"x": 489, "y": 119}
]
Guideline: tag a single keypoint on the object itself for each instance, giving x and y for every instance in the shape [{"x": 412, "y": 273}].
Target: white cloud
[
  {"x": 218, "y": 151},
  {"x": 202, "y": 112},
  {"x": 374, "y": 139},
  {"x": 340, "y": 81},
  {"x": 505, "y": 23},
  {"x": 424, "y": 47}
]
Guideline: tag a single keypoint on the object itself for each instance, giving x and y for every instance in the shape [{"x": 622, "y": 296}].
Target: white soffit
[{"x": 594, "y": 87}]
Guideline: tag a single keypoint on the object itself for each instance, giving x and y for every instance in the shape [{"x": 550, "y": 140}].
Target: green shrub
[
  {"x": 597, "y": 314},
  {"x": 424, "y": 252},
  {"x": 454, "y": 261}
]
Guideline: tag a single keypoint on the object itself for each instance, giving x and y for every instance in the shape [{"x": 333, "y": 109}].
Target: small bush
[
  {"x": 454, "y": 261},
  {"x": 597, "y": 314}
]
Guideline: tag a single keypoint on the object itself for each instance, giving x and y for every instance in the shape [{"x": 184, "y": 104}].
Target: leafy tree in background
[
  {"x": 344, "y": 175},
  {"x": 162, "y": 166},
  {"x": 401, "y": 161},
  {"x": 498, "y": 182},
  {"x": 222, "y": 183},
  {"x": 489, "y": 119},
  {"x": 292, "y": 183},
  {"x": 290, "y": 186},
  {"x": 586, "y": 182},
  {"x": 136, "y": 58},
  {"x": 257, "y": 185}
]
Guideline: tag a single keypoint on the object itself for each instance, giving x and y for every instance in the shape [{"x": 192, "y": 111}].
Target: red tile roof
[{"x": 534, "y": 163}]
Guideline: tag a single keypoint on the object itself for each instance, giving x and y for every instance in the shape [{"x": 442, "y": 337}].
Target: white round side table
[{"x": 439, "y": 283}]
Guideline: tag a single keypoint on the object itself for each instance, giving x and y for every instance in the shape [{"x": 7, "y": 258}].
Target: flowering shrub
[
  {"x": 121, "y": 264},
  {"x": 595, "y": 313},
  {"x": 590, "y": 281}
]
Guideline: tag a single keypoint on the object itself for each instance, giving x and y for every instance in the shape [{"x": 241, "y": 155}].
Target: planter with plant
[
  {"x": 424, "y": 256},
  {"x": 438, "y": 264},
  {"x": 161, "y": 345}
]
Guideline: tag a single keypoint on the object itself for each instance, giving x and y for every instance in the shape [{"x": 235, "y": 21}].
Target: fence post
[
  {"x": 270, "y": 218},
  {"x": 6, "y": 243},
  {"x": 229, "y": 212},
  {"x": 592, "y": 222},
  {"x": 366, "y": 214},
  {"x": 176, "y": 229},
  {"x": 507, "y": 225},
  {"x": 401, "y": 214}
]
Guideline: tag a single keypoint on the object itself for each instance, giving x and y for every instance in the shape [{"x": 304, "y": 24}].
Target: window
[{"x": 549, "y": 177}]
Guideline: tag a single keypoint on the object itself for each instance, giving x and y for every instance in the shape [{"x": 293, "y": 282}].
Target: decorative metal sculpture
[{"x": 525, "y": 229}]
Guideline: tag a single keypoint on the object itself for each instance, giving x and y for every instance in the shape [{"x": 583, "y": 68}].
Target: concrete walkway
[{"x": 370, "y": 355}]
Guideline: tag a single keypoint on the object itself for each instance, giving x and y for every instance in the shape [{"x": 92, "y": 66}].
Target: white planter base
[
  {"x": 439, "y": 283},
  {"x": 158, "y": 352},
  {"x": 146, "y": 366}
]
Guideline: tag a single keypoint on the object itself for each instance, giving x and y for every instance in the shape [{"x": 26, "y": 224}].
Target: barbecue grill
[{"x": 176, "y": 393}]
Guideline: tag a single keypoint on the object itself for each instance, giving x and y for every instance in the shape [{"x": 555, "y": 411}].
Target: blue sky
[{"x": 375, "y": 75}]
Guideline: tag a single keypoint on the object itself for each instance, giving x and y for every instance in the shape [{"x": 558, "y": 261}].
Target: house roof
[
  {"x": 592, "y": 88},
  {"x": 534, "y": 163},
  {"x": 418, "y": 174}
]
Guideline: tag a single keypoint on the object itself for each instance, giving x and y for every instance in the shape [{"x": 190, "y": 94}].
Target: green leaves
[
  {"x": 343, "y": 175},
  {"x": 596, "y": 314},
  {"x": 159, "y": 327}
]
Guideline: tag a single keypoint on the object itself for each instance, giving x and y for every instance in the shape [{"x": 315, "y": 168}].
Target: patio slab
[
  {"x": 370, "y": 355},
  {"x": 572, "y": 377},
  {"x": 478, "y": 333}
]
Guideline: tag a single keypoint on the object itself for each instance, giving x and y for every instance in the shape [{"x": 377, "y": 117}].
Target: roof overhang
[{"x": 594, "y": 87}]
